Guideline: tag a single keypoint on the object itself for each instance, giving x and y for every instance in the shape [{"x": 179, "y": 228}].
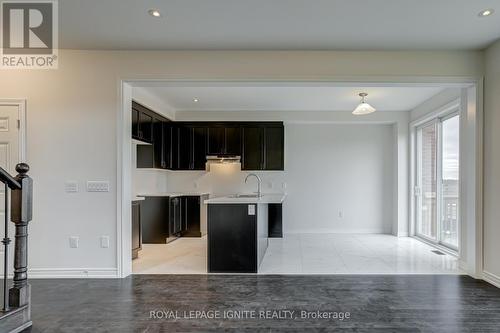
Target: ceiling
[
  {"x": 290, "y": 98},
  {"x": 278, "y": 24}
]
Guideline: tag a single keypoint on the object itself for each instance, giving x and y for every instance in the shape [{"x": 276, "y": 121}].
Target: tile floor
[{"x": 309, "y": 254}]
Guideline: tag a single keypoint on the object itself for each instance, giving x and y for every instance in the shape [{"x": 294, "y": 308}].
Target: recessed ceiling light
[
  {"x": 196, "y": 100},
  {"x": 486, "y": 12},
  {"x": 154, "y": 12}
]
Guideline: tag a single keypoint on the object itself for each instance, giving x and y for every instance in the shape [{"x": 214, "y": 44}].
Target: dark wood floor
[{"x": 375, "y": 303}]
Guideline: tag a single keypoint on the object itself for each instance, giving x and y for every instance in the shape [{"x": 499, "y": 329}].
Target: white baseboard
[
  {"x": 491, "y": 278},
  {"x": 403, "y": 234},
  {"x": 71, "y": 273}
]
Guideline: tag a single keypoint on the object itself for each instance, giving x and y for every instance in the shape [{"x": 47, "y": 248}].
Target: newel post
[{"x": 21, "y": 214}]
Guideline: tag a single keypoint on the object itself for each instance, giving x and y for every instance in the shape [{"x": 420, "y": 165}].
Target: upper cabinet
[
  {"x": 185, "y": 145},
  {"x": 253, "y": 148},
  {"x": 274, "y": 148},
  {"x": 263, "y": 147},
  {"x": 224, "y": 139},
  {"x": 142, "y": 123},
  {"x": 216, "y": 140}
]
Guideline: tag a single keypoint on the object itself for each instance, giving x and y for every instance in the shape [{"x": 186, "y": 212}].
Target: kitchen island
[{"x": 238, "y": 232}]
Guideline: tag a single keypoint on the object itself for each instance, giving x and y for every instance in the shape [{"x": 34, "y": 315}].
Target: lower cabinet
[
  {"x": 165, "y": 217},
  {"x": 175, "y": 220},
  {"x": 232, "y": 239},
  {"x": 191, "y": 217},
  {"x": 136, "y": 229},
  {"x": 155, "y": 220}
]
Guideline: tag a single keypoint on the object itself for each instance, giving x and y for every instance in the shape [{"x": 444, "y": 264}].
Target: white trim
[
  {"x": 61, "y": 273},
  {"x": 124, "y": 261},
  {"x": 448, "y": 108},
  {"x": 491, "y": 278}
]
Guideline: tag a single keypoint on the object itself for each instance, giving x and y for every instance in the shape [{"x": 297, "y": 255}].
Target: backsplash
[{"x": 224, "y": 179}]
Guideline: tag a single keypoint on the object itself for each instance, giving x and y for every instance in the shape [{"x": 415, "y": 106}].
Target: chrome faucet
[{"x": 259, "y": 194}]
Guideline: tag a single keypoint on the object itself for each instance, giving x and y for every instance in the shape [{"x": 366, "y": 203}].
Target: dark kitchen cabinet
[
  {"x": 275, "y": 220},
  {"x": 192, "y": 148},
  {"x": 199, "y": 148},
  {"x": 224, "y": 139},
  {"x": 158, "y": 142},
  {"x": 216, "y": 140},
  {"x": 167, "y": 142},
  {"x": 191, "y": 216},
  {"x": 135, "y": 124},
  {"x": 155, "y": 220},
  {"x": 263, "y": 148},
  {"x": 232, "y": 141},
  {"x": 274, "y": 147},
  {"x": 184, "y": 148},
  {"x": 175, "y": 222},
  {"x": 158, "y": 154},
  {"x": 185, "y": 145},
  {"x": 252, "y": 157},
  {"x": 136, "y": 229},
  {"x": 145, "y": 127},
  {"x": 232, "y": 239}
]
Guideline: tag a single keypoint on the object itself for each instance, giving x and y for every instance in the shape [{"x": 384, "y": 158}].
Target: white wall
[
  {"x": 73, "y": 116},
  {"x": 492, "y": 163},
  {"x": 333, "y": 168}
]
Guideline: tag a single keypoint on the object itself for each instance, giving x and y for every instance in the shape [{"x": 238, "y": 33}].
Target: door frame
[
  {"x": 21, "y": 105},
  {"x": 472, "y": 257}
]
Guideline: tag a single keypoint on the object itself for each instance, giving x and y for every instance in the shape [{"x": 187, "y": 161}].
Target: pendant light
[{"x": 363, "y": 108}]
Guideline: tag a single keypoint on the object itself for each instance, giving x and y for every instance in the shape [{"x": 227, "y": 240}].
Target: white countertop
[
  {"x": 264, "y": 199},
  {"x": 170, "y": 194}
]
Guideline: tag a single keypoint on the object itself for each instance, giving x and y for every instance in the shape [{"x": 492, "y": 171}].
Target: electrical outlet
[
  {"x": 105, "y": 242},
  {"x": 97, "y": 186},
  {"x": 73, "y": 242},
  {"x": 283, "y": 185},
  {"x": 71, "y": 186},
  {"x": 341, "y": 214}
]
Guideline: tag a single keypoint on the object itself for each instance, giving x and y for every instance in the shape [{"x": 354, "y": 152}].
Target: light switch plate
[
  {"x": 73, "y": 242},
  {"x": 71, "y": 186},
  {"x": 251, "y": 209},
  {"x": 105, "y": 242},
  {"x": 97, "y": 186}
]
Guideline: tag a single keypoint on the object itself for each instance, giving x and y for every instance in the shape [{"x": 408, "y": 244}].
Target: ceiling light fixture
[
  {"x": 154, "y": 12},
  {"x": 486, "y": 12},
  {"x": 196, "y": 100},
  {"x": 363, "y": 108}
]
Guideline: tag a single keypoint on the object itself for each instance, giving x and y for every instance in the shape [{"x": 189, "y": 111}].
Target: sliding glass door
[{"x": 437, "y": 181}]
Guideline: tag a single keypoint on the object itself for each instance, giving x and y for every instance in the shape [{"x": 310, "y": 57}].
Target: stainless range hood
[{"x": 222, "y": 159}]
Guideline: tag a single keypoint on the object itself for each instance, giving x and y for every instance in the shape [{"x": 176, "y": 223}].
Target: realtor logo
[{"x": 29, "y": 35}]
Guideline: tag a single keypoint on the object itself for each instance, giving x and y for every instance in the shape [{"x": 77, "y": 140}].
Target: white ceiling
[
  {"x": 290, "y": 98},
  {"x": 278, "y": 24}
]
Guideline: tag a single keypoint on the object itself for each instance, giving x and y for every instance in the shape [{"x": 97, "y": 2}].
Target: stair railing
[{"x": 21, "y": 211}]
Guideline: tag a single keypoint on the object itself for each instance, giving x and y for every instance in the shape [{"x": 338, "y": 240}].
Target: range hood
[{"x": 222, "y": 159}]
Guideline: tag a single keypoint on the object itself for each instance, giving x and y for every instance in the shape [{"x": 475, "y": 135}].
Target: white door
[{"x": 9, "y": 156}]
